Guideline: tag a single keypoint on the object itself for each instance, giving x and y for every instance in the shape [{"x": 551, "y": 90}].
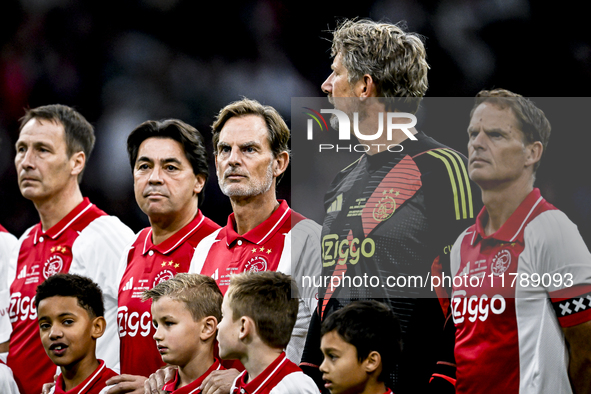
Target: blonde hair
[
  {"x": 395, "y": 59},
  {"x": 200, "y": 293}
]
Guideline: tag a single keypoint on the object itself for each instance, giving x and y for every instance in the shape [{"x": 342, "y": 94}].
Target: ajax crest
[
  {"x": 53, "y": 266},
  {"x": 256, "y": 264},
  {"x": 384, "y": 208},
  {"x": 164, "y": 275},
  {"x": 501, "y": 262}
]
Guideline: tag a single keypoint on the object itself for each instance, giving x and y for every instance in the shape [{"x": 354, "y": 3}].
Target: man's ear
[
  {"x": 199, "y": 183},
  {"x": 365, "y": 87},
  {"x": 209, "y": 329},
  {"x": 77, "y": 161},
  {"x": 534, "y": 151},
  {"x": 280, "y": 163},
  {"x": 98, "y": 327},
  {"x": 372, "y": 362}
]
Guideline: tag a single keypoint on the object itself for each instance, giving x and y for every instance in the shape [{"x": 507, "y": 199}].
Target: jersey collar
[
  {"x": 172, "y": 384},
  {"x": 257, "y": 383},
  {"x": 176, "y": 239},
  {"x": 82, "y": 387},
  {"x": 263, "y": 231},
  {"x": 512, "y": 230},
  {"x": 57, "y": 229}
]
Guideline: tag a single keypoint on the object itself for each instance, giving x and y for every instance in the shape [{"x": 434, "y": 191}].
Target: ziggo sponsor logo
[
  {"x": 22, "y": 307},
  {"x": 476, "y": 307},
  {"x": 345, "y": 251},
  {"x": 131, "y": 323}
]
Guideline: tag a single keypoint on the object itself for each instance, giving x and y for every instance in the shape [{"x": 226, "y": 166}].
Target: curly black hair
[{"x": 88, "y": 293}]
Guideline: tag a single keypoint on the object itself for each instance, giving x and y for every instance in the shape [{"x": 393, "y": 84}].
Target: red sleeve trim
[
  {"x": 576, "y": 319},
  {"x": 570, "y": 292},
  {"x": 436, "y": 375}
]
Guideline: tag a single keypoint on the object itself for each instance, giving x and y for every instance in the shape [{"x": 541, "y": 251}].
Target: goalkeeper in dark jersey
[{"x": 393, "y": 213}]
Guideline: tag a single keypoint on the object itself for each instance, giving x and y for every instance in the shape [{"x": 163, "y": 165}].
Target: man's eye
[
  {"x": 170, "y": 168},
  {"x": 142, "y": 167}
]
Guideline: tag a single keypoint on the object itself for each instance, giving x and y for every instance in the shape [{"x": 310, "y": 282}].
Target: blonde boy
[
  {"x": 259, "y": 315},
  {"x": 186, "y": 310}
]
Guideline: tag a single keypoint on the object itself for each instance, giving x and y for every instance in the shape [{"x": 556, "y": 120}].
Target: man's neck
[
  {"x": 202, "y": 360},
  {"x": 54, "y": 209},
  {"x": 501, "y": 201},
  {"x": 164, "y": 227},
  {"x": 249, "y": 212},
  {"x": 77, "y": 373},
  {"x": 258, "y": 359}
]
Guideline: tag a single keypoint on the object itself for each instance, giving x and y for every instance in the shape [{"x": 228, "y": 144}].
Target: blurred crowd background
[{"x": 122, "y": 62}]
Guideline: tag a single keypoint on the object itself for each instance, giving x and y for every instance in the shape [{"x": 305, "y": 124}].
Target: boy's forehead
[
  {"x": 59, "y": 305},
  {"x": 167, "y": 304}
]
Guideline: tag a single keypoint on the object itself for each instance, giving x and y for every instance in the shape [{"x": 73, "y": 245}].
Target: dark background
[{"x": 122, "y": 62}]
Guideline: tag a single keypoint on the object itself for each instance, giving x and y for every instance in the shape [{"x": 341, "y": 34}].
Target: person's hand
[
  {"x": 219, "y": 382},
  {"x": 123, "y": 384},
  {"x": 154, "y": 384},
  {"x": 47, "y": 386}
]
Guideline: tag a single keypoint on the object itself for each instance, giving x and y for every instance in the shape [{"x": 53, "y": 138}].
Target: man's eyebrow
[
  {"x": 249, "y": 143},
  {"x": 170, "y": 160},
  {"x": 144, "y": 158}
]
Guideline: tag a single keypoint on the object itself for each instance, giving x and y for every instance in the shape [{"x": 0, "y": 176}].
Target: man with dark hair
[
  {"x": 528, "y": 323},
  {"x": 361, "y": 346},
  {"x": 73, "y": 236},
  {"x": 391, "y": 214},
  {"x": 169, "y": 165}
]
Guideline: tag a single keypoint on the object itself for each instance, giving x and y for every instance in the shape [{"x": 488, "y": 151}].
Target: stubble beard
[{"x": 254, "y": 188}]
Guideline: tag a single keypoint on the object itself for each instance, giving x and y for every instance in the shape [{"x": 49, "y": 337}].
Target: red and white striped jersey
[
  {"x": 7, "y": 244},
  {"x": 86, "y": 242},
  {"x": 286, "y": 242},
  {"x": 513, "y": 291},
  {"x": 145, "y": 266},
  {"x": 280, "y": 377},
  {"x": 94, "y": 384}
]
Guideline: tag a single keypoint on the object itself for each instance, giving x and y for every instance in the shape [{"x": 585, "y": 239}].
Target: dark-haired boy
[
  {"x": 186, "y": 310},
  {"x": 71, "y": 319},
  {"x": 361, "y": 346},
  {"x": 259, "y": 315}
]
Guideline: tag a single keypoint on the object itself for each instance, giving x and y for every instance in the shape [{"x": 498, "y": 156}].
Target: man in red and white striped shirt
[
  {"x": 250, "y": 143},
  {"x": 73, "y": 236},
  {"x": 169, "y": 165},
  {"x": 521, "y": 298}
]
